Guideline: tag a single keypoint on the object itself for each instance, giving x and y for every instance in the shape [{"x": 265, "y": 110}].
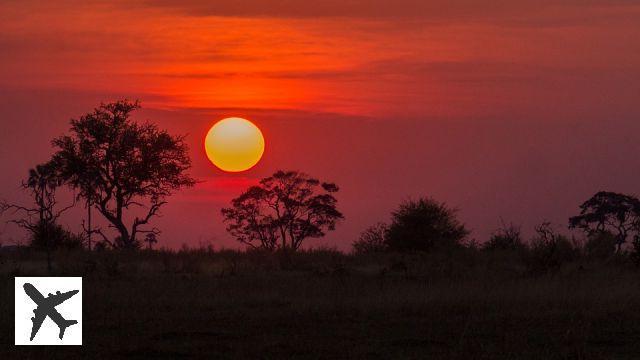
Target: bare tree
[
  {"x": 117, "y": 164},
  {"x": 282, "y": 211}
]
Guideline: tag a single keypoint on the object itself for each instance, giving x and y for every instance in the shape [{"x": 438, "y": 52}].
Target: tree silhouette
[
  {"x": 507, "y": 237},
  {"x": 609, "y": 212},
  {"x": 549, "y": 250},
  {"x": 423, "y": 225},
  {"x": 117, "y": 164},
  {"x": 372, "y": 239},
  {"x": 151, "y": 239},
  {"x": 40, "y": 219},
  {"x": 282, "y": 211}
]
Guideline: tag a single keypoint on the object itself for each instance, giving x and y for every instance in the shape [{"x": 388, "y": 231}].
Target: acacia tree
[
  {"x": 609, "y": 212},
  {"x": 117, "y": 164},
  {"x": 282, "y": 211}
]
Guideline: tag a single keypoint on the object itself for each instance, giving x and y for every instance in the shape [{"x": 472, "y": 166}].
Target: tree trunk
[
  {"x": 125, "y": 238},
  {"x": 89, "y": 232}
]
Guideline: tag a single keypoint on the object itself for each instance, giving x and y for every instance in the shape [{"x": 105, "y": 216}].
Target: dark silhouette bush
[
  {"x": 548, "y": 251},
  {"x": 424, "y": 225},
  {"x": 505, "y": 238},
  {"x": 53, "y": 236},
  {"x": 600, "y": 245},
  {"x": 372, "y": 240}
]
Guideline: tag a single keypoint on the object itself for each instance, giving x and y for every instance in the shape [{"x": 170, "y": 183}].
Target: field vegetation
[{"x": 524, "y": 302}]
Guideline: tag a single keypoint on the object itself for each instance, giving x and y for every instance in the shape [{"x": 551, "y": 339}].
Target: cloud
[
  {"x": 430, "y": 10},
  {"x": 460, "y": 71}
]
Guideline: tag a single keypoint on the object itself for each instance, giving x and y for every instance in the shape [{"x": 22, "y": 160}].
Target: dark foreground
[{"x": 326, "y": 305}]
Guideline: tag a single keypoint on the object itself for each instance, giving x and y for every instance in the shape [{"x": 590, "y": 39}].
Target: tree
[
  {"x": 117, "y": 164},
  {"x": 282, "y": 211},
  {"x": 40, "y": 219},
  {"x": 423, "y": 225},
  {"x": 41, "y": 184},
  {"x": 372, "y": 239},
  {"x": 151, "y": 239},
  {"x": 609, "y": 212}
]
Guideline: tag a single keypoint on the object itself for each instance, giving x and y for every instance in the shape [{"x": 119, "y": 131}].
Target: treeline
[
  {"x": 125, "y": 171},
  {"x": 116, "y": 167},
  {"x": 609, "y": 222}
]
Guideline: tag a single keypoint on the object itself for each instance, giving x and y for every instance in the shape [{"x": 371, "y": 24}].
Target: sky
[{"x": 511, "y": 111}]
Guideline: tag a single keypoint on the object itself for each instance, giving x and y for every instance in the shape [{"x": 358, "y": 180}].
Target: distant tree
[
  {"x": 282, "y": 211},
  {"x": 611, "y": 212},
  {"x": 40, "y": 218},
  {"x": 117, "y": 164},
  {"x": 424, "y": 225},
  {"x": 372, "y": 239},
  {"x": 505, "y": 238},
  {"x": 41, "y": 185},
  {"x": 151, "y": 239},
  {"x": 549, "y": 249}
]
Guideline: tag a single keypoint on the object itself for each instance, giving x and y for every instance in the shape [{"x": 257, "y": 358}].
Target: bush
[
  {"x": 505, "y": 238},
  {"x": 549, "y": 250},
  {"x": 600, "y": 245},
  {"x": 424, "y": 225},
  {"x": 372, "y": 240},
  {"x": 55, "y": 236}
]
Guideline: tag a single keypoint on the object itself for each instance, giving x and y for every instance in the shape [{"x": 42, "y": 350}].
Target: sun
[{"x": 234, "y": 144}]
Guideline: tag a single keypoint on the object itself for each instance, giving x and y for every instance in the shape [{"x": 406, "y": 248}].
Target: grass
[{"x": 324, "y": 304}]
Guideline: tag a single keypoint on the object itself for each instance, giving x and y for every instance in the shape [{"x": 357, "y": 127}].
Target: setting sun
[{"x": 234, "y": 144}]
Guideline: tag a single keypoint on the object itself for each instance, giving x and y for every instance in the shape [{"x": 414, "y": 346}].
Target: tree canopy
[
  {"x": 282, "y": 211},
  {"x": 609, "y": 212},
  {"x": 116, "y": 163}
]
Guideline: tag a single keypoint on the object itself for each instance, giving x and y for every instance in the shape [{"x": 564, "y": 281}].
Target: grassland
[{"x": 325, "y": 305}]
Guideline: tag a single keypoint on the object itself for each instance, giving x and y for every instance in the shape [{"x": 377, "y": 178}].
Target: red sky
[{"x": 518, "y": 109}]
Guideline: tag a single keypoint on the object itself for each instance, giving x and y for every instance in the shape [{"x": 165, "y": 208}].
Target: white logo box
[{"x": 70, "y": 310}]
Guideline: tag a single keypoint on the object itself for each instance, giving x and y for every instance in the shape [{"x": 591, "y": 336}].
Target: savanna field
[{"x": 318, "y": 304}]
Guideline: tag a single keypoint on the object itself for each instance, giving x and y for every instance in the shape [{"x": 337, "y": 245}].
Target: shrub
[
  {"x": 424, "y": 225},
  {"x": 550, "y": 250},
  {"x": 54, "y": 236},
  {"x": 505, "y": 238},
  {"x": 372, "y": 240},
  {"x": 601, "y": 245}
]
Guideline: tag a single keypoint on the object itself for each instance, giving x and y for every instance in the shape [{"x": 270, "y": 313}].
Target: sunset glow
[
  {"x": 234, "y": 144},
  {"x": 333, "y": 178},
  {"x": 388, "y": 99}
]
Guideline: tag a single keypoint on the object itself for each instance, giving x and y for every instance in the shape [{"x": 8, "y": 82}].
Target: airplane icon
[{"x": 47, "y": 307}]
